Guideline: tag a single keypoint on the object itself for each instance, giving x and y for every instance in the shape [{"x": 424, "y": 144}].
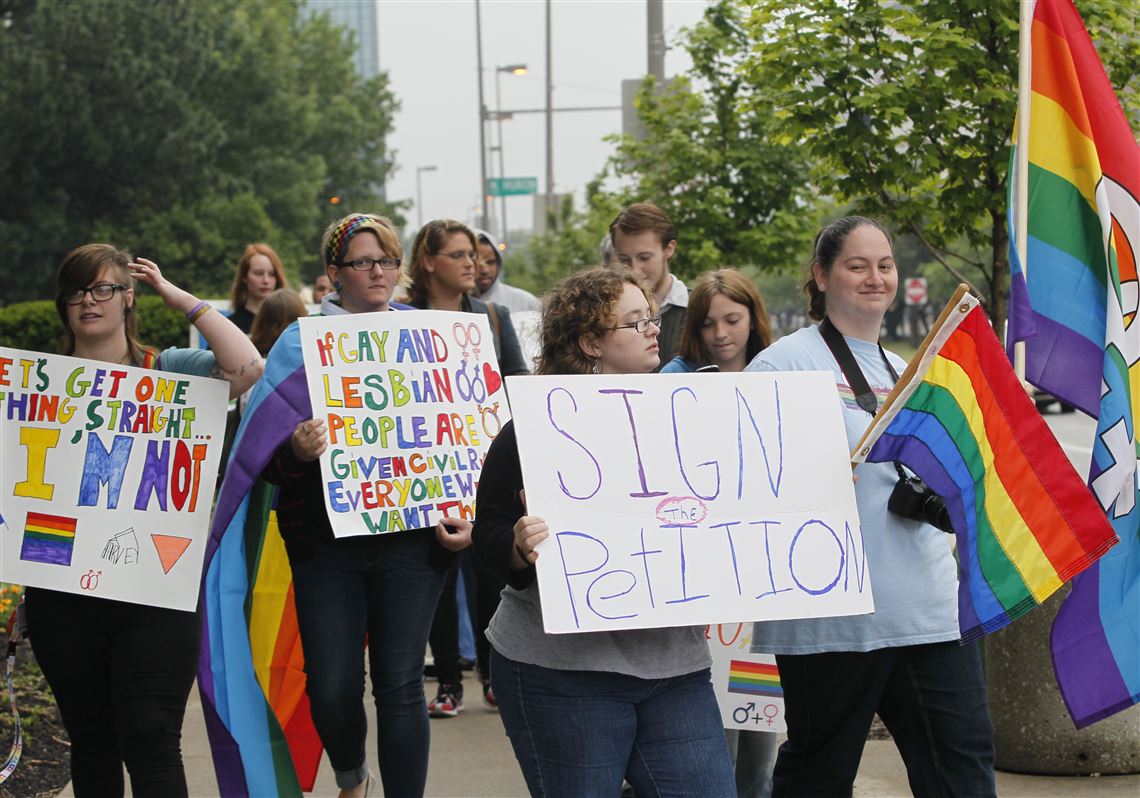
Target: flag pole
[{"x": 1021, "y": 165}]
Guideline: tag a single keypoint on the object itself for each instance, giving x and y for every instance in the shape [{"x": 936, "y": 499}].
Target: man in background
[
  {"x": 489, "y": 285},
  {"x": 644, "y": 239}
]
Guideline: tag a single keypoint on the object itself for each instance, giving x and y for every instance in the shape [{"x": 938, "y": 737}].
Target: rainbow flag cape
[
  {"x": 250, "y": 674},
  {"x": 1024, "y": 519},
  {"x": 1075, "y": 308}
]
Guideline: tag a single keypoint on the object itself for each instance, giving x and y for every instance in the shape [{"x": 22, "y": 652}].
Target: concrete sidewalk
[{"x": 470, "y": 757}]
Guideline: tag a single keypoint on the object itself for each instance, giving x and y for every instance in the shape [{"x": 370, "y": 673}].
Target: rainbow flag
[
  {"x": 1025, "y": 521},
  {"x": 251, "y": 671},
  {"x": 1075, "y": 307},
  {"x": 754, "y": 678},
  {"x": 49, "y": 539}
]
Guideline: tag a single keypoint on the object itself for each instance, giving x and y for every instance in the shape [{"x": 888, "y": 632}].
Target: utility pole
[
  {"x": 549, "y": 199},
  {"x": 655, "y": 16},
  {"x": 483, "y": 113}
]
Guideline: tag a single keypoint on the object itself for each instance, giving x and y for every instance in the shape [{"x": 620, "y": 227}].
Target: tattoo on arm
[{"x": 219, "y": 372}]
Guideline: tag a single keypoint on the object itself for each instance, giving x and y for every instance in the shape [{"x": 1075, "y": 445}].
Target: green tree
[
  {"x": 714, "y": 158},
  {"x": 182, "y": 130},
  {"x": 906, "y": 110}
]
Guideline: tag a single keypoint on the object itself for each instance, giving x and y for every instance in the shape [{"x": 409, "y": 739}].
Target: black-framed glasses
[
  {"x": 100, "y": 293},
  {"x": 367, "y": 264},
  {"x": 641, "y": 325}
]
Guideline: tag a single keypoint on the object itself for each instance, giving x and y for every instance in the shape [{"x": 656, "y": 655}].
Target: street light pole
[
  {"x": 482, "y": 115},
  {"x": 513, "y": 69},
  {"x": 420, "y": 193}
]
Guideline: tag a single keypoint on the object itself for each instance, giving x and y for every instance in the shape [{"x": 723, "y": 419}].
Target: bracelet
[{"x": 198, "y": 311}]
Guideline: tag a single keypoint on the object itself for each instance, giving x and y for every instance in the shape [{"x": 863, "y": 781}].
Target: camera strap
[{"x": 864, "y": 396}]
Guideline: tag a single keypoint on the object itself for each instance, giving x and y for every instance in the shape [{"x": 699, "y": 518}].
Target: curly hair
[
  {"x": 429, "y": 241},
  {"x": 824, "y": 250},
  {"x": 732, "y": 284},
  {"x": 579, "y": 305}
]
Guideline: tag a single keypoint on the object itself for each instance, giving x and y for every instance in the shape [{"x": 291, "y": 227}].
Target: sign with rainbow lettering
[
  {"x": 747, "y": 685},
  {"x": 412, "y": 400},
  {"x": 685, "y": 499},
  {"x": 108, "y": 477}
]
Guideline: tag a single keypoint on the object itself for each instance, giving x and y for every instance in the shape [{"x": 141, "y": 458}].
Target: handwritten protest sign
[
  {"x": 680, "y": 499},
  {"x": 108, "y": 477},
  {"x": 747, "y": 685},
  {"x": 412, "y": 400}
]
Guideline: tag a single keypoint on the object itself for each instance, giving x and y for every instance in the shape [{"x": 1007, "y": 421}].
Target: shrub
[{"x": 35, "y": 325}]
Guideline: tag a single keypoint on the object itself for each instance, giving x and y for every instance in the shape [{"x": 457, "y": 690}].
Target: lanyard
[{"x": 864, "y": 396}]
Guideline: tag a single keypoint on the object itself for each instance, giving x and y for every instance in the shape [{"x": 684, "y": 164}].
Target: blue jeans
[
  {"x": 383, "y": 590},
  {"x": 932, "y": 699},
  {"x": 579, "y": 733}
]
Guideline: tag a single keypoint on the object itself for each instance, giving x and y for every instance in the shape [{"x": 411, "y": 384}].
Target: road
[{"x": 471, "y": 756}]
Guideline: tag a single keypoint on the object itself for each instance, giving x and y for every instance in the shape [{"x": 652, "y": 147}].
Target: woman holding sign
[
  {"x": 121, "y": 672},
  {"x": 583, "y": 711},
  {"x": 726, "y": 326},
  {"x": 381, "y": 588},
  {"x": 904, "y": 660}
]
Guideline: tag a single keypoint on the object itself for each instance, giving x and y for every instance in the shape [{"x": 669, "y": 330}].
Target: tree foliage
[
  {"x": 906, "y": 109},
  {"x": 182, "y": 130},
  {"x": 713, "y": 157}
]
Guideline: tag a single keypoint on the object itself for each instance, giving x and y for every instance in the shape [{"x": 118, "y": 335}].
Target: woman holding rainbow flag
[{"x": 904, "y": 660}]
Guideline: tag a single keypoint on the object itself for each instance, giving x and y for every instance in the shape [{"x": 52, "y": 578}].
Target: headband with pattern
[{"x": 349, "y": 226}]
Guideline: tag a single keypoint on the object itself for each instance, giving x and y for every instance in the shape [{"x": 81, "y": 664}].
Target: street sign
[
  {"x": 511, "y": 186},
  {"x": 915, "y": 291}
]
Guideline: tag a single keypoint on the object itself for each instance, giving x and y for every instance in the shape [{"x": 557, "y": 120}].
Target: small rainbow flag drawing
[
  {"x": 754, "y": 678},
  {"x": 48, "y": 539}
]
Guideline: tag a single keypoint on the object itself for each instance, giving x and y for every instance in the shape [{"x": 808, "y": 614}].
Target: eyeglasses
[
  {"x": 641, "y": 325},
  {"x": 366, "y": 264},
  {"x": 460, "y": 255},
  {"x": 100, "y": 293}
]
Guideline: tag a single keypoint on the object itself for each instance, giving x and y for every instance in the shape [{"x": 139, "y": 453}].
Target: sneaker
[
  {"x": 448, "y": 701},
  {"x": 489, "y": 696}
]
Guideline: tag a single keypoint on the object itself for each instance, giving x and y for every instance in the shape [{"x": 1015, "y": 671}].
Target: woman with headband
[{"x": 381, "y": 589}]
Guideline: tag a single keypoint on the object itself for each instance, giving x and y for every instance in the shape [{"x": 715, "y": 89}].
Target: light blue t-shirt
[
  {"x": 914, "y": 578},
  {"x": 679, "y": 365},
  {"x": 195, "y": 362}
]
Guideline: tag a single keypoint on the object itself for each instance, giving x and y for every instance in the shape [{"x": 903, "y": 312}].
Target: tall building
[{"x": 358, "y": 16}]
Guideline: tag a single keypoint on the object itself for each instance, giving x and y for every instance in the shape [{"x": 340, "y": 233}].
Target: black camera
[{"x": 912, "y": 498}]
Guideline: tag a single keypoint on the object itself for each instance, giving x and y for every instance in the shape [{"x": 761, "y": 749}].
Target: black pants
[
  {"x": 931, "y": 697},
  {"x": 121, "y": 674},
  {"x": 482, "y": 589}
]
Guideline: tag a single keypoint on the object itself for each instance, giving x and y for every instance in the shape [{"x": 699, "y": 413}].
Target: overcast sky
[{"x": 428, "y": 49}]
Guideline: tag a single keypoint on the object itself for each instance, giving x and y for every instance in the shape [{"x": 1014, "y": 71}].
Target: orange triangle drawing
[{"x": 169, "y": 549}]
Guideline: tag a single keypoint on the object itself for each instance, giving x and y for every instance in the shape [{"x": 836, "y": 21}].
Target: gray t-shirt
[{"x": 914, "y": 578}]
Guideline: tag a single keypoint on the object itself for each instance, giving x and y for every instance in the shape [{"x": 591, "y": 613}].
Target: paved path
[{"x": 471, "y": 758}]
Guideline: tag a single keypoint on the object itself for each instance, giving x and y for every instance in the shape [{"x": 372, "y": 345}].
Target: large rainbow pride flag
[
  {"x": 1024, "y": 519},
  {"x": 250, "y": 674},
  {"x": 1074, "y": 305}
]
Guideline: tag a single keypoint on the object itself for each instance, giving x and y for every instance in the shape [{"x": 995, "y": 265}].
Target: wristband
[{"x": 197, "y": 312}]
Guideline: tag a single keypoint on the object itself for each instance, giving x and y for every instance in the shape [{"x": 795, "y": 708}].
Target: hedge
[{"x": 35, "y": 325}]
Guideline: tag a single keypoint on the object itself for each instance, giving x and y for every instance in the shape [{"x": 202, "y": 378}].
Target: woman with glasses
[
  {"x": 445, "y": 259},
  {"x": 121, "y": 672},
  {"x": 378, "y": 589},
  {"x": 583, "y": 711}
]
